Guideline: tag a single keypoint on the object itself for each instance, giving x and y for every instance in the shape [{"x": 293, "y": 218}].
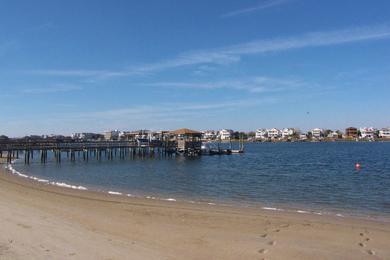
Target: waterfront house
[
  {"x": 209, "y": 135},
  {"x": 317, "y": 133},
  {"x": 87, "y": 136},
  {"x": 333, "y": 134},
  {"x": 225, "y": 134},
  {"x": 288, "y": 132},
  {"x": 111, "y": 135},
  {"x": 384, "y": 133},
  {"x": 303, "y": 136},
  {"x": 367, "y": 132},
  {"x": 274, "y": 133},
  {"x": 351, "y": 132},
  {"x": 261, "y": 134},
  {"x": 188, "y": 141}
]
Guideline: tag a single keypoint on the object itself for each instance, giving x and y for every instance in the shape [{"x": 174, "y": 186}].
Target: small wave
[
  {"x": 65, "y": 185},
  {"x": 115, "y": 193},
  {"x": 303, "y": 212},
  {"x": 60, "y": 184},
  {"x": 275, "y": 209}
]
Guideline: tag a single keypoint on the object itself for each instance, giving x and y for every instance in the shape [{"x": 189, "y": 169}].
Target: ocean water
[{"x": 314, "y": 177}]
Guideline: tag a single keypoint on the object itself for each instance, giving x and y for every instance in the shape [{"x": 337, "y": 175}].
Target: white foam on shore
[
  {"x": 65, "y": 185},
  {"x": 303, "y": 211},
  {"x": 170, "y": 199},
  {"x": 269, "y": 208},
  {"x": 115, "y": 193},
  {"x": 60, "y": 184}
]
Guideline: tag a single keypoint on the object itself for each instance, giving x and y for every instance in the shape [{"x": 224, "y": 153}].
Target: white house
[
  {"x": 226, "y": 134},
  {"x": 303, "y": 136},
  {"x": 274, "y": 133},
  {"x": 288, "y": 132},
  {"x": 261, "y": 134},
  {"x": 317, "y": 133},
  {"x": 209, "y": 135},
  {"x": 85, "y": 136},
  {"x": 333, "y": 134},
  {"x": 367, "y": 132},
  {"x": 111, "y": 135},
  {"x": 384, "y": 132}
]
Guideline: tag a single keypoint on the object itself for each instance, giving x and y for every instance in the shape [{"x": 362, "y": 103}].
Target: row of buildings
[
  {"x": 272, "y": 134},
  {"x": 258, "y": 135},
  {"x": 318, "y": 133}
]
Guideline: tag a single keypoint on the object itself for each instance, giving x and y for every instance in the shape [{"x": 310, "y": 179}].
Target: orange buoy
[{"x": 357, "y": 166}]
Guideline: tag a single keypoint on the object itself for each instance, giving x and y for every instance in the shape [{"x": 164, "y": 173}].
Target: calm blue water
[{"x": 313, "y": 176}]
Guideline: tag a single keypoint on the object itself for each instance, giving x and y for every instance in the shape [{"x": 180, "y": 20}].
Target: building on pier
[{"x": 188, "y": 141}]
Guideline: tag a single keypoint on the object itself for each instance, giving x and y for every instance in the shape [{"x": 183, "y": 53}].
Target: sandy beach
[{"x": 40, "y": 221}]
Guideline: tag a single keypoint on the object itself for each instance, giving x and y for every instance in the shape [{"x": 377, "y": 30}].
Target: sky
[{"x": 90, "y": 66}]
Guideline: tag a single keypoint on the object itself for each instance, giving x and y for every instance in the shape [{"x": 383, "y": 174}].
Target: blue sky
[{"x": 72, "y": 66}]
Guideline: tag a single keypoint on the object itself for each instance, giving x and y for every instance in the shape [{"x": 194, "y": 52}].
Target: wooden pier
[{"x": 85, "y": 151}]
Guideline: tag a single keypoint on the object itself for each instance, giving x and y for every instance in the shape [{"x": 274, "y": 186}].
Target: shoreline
[
  {"x": 369, "y": 215},
  {"x": 46, "y": 221}
]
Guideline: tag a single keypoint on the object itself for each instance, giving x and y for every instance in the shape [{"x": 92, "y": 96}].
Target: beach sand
[{"x": 39, "y": 221}]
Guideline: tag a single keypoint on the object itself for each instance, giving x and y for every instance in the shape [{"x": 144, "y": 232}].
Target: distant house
[
  {"x": 351, "y": 132},
  {"x": 288, "y": 132},
  {"x": 209, "y": 135},
  {"x": 384, "y": 133},
  {"x": 86, "y": 136},
  {"x": 274, "y": 133},
  {"x": 367, "y": 132},
  {"x": 3, "y": 138},
  {"x": 303, "y": 136},
  {"x": 112, "y": 135},
  {"x": 333, "y": 134},
  {"x": 225, "y": 134},
  {"x": 261, "y": 134},
  {"x": 317, "y": 133}
]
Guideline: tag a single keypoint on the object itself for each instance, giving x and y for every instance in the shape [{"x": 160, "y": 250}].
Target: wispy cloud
[
  {"x": 232, "y": 54},
  {"x": 253, "y": 85},
  {"x": 153, "y": 116},
  {"x": 171, "y": 109},
  {"x": 262, "y": 5},
  {"x": 56, "y": 88}
]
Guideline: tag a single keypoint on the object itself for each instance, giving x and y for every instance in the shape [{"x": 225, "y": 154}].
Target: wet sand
[{"x": 40, "y": 221}]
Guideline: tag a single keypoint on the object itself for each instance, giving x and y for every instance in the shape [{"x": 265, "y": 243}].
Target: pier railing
[{"x": 83, "y": 149}]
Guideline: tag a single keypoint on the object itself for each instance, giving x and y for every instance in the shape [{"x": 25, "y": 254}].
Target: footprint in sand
[
  {"x": 263, "y": 251},
  {"x": 24, "y": 225},
  {"x": 272, "y": 243},
  {"x": 366, "y": 239},
  {"x": 264, "y": 235}
]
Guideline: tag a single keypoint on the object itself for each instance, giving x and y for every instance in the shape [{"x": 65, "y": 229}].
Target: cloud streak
[
  {"x": 263, "y": 5},
  {"x": 253, "y": 85},
  {"x": 234, "y": 53},
  {"x": 57, "y": 88}
]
